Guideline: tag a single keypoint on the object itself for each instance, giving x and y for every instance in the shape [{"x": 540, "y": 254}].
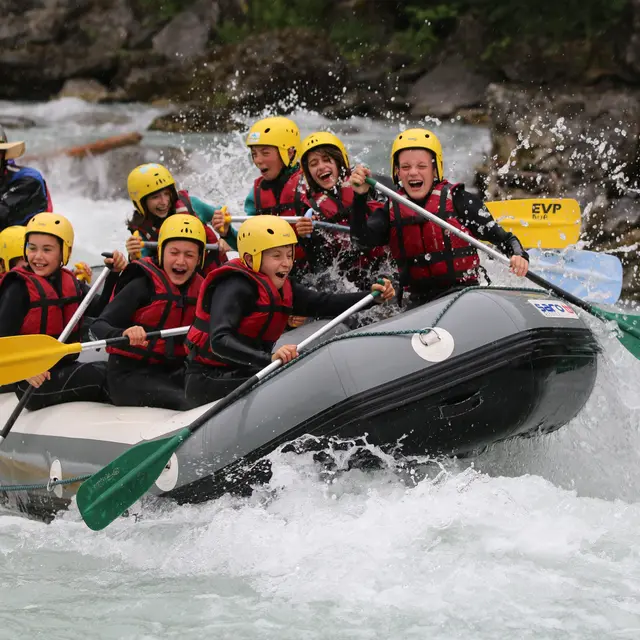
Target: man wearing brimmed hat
[{"x": 23, "y": 191}]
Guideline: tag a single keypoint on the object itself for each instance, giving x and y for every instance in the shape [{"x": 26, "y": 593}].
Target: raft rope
[
  {"x": 396, "y": 332},
  {"x": 50, "y": 484}
]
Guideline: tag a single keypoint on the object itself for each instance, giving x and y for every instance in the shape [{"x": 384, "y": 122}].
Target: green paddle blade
[
  {"x": 113, "y": 489},
  {"x": 629, "y": 326}
]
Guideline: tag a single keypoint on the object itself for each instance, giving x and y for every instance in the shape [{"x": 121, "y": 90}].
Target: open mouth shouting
[
  {"x": 180, "y": 273},
  {"x": 326, "y": 178}
]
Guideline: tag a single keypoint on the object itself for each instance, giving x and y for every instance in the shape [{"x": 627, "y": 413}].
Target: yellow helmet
[
  {"x": 55, "y": 225},
  {"x": 278, "y": 132},
  {"x": 418, "y": 139},
  {"x": 260, "y": 233},
  {"x": 322, "y": 138},
  {"x": 147, "y": 179},
  {"x": 182, "y": 226},
  {"x": 12, "y": 244}
]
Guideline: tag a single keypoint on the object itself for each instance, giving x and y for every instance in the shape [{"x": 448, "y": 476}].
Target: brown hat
[{"x": 11, "y": 149}]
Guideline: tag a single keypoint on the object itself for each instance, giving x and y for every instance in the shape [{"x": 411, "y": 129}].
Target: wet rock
[
  {"x": 50, "y": 42},
  {"x": 197, "y": 119},
  {"x": 581, "y": 142},
  {"x": 450, "y": 86},
  {"x": 357, "y": 102},
  {"x": 631, "y": 53},
  {"x": 290, "y": 67},
  {"x": 84, "y": 88},
  {"x": 185, "y": 36}
]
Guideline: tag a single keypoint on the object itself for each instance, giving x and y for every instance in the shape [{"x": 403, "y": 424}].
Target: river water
[{"x": 532, "y": 539}]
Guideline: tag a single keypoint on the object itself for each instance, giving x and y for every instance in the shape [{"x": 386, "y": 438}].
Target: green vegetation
[
  {"x": 260, "y": 16},
  {"x": 417, "y": 28}
]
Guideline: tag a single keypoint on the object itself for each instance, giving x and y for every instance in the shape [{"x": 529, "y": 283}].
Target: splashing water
[{"x": 532, "y": 539}]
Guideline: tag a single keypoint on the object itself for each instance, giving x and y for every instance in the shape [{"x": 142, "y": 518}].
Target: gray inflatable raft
[{"x": 495, "y": 364}]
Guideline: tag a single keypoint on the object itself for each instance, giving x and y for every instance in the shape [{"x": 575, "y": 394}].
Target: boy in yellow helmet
[
  {"x": 243, "y": 307},
  {"x": 275, "y": 144},
  {"x": 42, "y": 297},
  {"x": 154, "y": 294},
  {"x": 431, "y": 261}
]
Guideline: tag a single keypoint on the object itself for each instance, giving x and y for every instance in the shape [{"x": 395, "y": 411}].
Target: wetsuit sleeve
[
  {"x": 14, "y": 305},
  {"x": 470, "y": 210},
  {"x": 233, "y": 299},
  {"x": 250, "y": 204},
  {"x": 117, "y": 315},
  {"x": 21, "y": 200},
  {"x": 314, "y": 304},
  {"x": 203, "y": 210},
  {"x": 369, "y": 226}
]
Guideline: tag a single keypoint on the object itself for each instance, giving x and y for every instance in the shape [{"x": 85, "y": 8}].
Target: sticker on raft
[{"x": 554, "y": 309}]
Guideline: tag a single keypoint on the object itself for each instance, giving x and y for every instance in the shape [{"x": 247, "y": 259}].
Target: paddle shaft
[
  {"x": 390, "y": 193},
  {"x": 66, "y": 332},
  {"x": 208, "y": 247},
  {"x": 165, "y": 333},
  {"x": 293, "y": 219}
]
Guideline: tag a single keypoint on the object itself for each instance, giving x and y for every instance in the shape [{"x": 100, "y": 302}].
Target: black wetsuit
[
  {"x": 20, "y": 199},
  {"x": 133, "y": 382},
  {"x": 70, "y": 380},
  {"x": 372, "y": 229},
  {"x": 232, "y": 300}
]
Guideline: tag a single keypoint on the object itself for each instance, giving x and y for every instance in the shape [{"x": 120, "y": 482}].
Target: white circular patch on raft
[
  {"x": 435, "y": 346},
  {"x": 168, "y": 479},
  {"x": 55, "y": 473}
]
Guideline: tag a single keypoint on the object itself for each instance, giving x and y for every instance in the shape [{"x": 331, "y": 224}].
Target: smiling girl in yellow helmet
[
  {"x": 431, "y": 261},
  {"x": 327, "y": 172},
  {"x": 243, "y": 307},
  {"x": 42, "y": 297},
  {"x": 154, "y": 294},
  {"x": 155, "y": 197}
]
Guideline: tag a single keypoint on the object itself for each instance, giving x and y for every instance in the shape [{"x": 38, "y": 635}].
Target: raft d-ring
[
  {"x": 55, "y": 474},
  {"x": 430, "y": 337},
  {"x": 168, "y": 479},
  {"x": 434, "y": 345}
]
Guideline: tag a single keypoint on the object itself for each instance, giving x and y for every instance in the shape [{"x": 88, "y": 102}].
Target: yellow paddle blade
[
  {"x": 546, "y": 223},
  {"x": 25, "y": 356}
]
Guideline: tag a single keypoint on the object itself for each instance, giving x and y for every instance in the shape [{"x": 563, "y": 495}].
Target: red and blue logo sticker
[{"x": 554, "y": 309}]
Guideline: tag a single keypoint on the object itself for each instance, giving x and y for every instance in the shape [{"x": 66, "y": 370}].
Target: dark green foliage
[{"x": 418, "y": 28}]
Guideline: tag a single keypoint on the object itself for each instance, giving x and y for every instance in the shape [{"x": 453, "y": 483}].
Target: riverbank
[{"x": 560, "y": 96}]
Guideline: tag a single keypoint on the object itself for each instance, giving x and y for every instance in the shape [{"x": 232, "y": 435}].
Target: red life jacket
[
  {"x": 148, "y": 230},
  {"x": 261, "y": 328},
  {"x": 49, "y": 312},
  {"x": 292, "y": 202},
  {"x": 427, "y": 254},
  {"x": 214, "y": 258},
  {"x": 338, "y": 211},
  {"x": 168, "y": 309}
]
